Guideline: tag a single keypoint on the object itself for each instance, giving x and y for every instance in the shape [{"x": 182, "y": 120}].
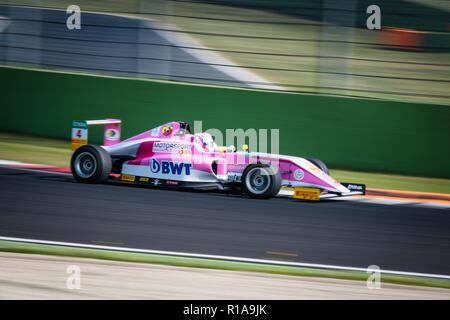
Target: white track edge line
[{"x": 219, "y": 257}]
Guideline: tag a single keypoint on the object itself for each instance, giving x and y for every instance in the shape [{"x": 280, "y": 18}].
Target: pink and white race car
[{"x": 171, "y": 156}]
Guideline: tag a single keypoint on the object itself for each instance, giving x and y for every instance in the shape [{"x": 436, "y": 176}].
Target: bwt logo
[{"x": 169, "y": 167}]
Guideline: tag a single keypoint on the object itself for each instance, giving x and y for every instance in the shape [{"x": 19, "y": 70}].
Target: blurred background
[
  {"x": 372, "y": 104},
  {"x": 314, "y": 46}
]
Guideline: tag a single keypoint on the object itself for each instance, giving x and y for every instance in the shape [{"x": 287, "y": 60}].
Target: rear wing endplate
[{"x": 80, "y": 132}]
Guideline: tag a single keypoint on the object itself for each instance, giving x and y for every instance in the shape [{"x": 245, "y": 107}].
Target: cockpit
[{"x": 184, "y": 128}]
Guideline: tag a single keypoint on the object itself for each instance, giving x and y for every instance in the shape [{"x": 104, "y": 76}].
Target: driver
[{"x": 206, "y": 141}]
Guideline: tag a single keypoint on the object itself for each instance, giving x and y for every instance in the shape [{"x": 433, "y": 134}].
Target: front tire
[
  {"x": 91, "y": 164},
  {"x": 261, "y": 181},
  {"x": 320, "y": 164}
]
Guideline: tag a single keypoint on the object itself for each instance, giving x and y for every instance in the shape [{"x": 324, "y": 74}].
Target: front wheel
[
  {"x": 320, "y": 164},
  {"x": 91, "y": 164},
  {"x": 261, "y": 181}
]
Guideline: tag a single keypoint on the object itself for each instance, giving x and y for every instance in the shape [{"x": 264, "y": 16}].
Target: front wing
[{"x": 316, "y": 194}]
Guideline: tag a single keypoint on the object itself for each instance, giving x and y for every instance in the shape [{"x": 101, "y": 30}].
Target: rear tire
[
  {"x": 91, "y": 164},
  {"x": 320, "y": 164},
  {"x": 261, "y": 181}
]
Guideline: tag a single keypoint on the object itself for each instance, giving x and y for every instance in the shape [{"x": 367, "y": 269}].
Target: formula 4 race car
[{"x": 171, "y": 156}]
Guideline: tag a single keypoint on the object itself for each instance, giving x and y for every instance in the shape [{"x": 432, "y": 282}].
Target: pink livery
[{"x": 171, "y": 156}]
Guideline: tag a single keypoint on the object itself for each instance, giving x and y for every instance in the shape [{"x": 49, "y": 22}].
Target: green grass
[
  {"x": 32, "y": 149},
  {"x": 19, "y": 247},
  {"x": 27, "y": 148}
]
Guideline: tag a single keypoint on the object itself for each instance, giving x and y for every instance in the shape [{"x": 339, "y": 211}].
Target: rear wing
[{"x": 80, "y": 132}]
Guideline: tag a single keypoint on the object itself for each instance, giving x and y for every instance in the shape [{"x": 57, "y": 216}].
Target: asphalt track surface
[
  {"x": 48, "y": 206},
  {"x": 105, "y": 44}
]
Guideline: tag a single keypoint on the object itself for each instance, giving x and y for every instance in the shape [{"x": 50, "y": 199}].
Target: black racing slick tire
[
  {"x": 261, "y": 181},
  {"x": 91, "y": 164},
  {"x": 320, "y": 164}
]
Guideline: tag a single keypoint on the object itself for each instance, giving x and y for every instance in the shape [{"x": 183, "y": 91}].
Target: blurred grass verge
[
  {"x": 31, "y": 248},
  {"x": 32, "y": 149}
]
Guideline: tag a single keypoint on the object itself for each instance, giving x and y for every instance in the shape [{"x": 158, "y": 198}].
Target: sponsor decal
[
  {"x": 306, "y": 193},
  {"x": 355, "y": 187},
  {"x": 78, "y": 133},
  {"x": 79, "y": 136},
  {"x": 76, "y": 143},
  {"x": 170, "y": 167},
  {"x": 185, "y": 152},
  {"x": 127, "y": 177},
  {"x": 173, "y": 183},
  {"x": 155, "y": 166},
  {"x": 172, "y": 147},
  {"x": 156, "y": 182},
  {"x": 112, "y": 134},
  {"x": 79, "y": 124},
  {"x": 144, "y": 179},
  {"x": 167, "y": 130},
  {"x": 299, "y": 174},
  {"x": 234, "y": 176}
]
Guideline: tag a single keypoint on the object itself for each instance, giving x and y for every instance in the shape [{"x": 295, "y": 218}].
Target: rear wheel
[
  {"x": 261, "y": 181},
  {"x": 91, "y": 164},
  {"x": 320, "y": 164}
]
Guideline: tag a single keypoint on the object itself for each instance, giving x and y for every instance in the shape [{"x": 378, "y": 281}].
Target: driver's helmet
[{"x": 206, "y": 141}]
